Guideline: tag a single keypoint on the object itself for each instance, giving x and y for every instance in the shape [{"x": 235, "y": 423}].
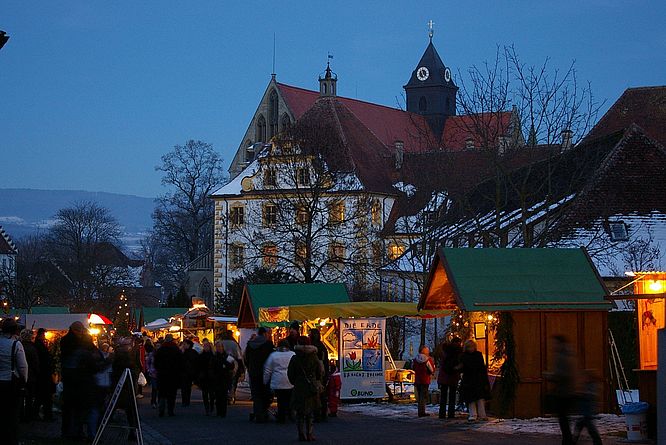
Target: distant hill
[{"x": 28, "y": 211}]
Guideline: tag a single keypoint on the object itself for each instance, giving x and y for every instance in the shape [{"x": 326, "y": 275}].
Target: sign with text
[{"x": 362, "y": 358}]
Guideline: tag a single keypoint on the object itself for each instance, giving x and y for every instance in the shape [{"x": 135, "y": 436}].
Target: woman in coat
[
  {"x": 275, "y": 375},
  {"x": 448, "y": 377},
  {"x": 305, "y": 373},
  {"x": 424, "y": 368},
  {"x": 474, "y": 387},
  {"x": 206, "y": 378},
  {"x": 223, "y": 367}
]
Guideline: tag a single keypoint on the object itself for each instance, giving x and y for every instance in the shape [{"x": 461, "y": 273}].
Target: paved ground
[{"x": 190, "y": 426}]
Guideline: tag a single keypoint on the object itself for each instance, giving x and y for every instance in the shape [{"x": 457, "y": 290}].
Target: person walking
[
  {"x": 333, "y": 388},
  {"x": 474, "y": 387},
  {"x": 305, "y": 372},
  {"x": 257, "y": 352},
  {"x": 169, "y": 366},
  {"x": 69, "y": 344},
  {"x": 564, "y": 385},
  {"x": 45, "y": 385},
  {"x": 586, "y": 399},
  {"x": 206, "y": 378},
  {"x": 190, "y": 360},
  {"x": 275, "y": 375},
  {"x": 151, "y": 372},
  {"x": 232, "y": 348},
  {"x": 322, "y": 355},
  {"x": 224, "y": 367},
  {"x": 27, "y": 337},
  {"x": 140, "y": 360},
  {"x": 448, "y": 377},
  {"x": 13, "y": 375},
  {"x": 424, "y": 368}
]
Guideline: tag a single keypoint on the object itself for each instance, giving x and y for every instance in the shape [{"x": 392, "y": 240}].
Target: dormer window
[
  {"x": 270, "y": 178},
  {"x": 618, "y": 231}
]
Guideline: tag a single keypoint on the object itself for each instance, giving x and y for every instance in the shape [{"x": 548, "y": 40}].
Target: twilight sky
[{"x": 93, "y": 92}]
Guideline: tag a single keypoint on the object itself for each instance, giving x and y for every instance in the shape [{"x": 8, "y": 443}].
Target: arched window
[
  {"x": 205, "y": 291},
  {"x": 423, "y": 104},
  {"x": 285, "y": 122},
  {"x": 272, "y": 114},
  {"x": 261, "y": 129},
  {"x": 249, "y": 151}
]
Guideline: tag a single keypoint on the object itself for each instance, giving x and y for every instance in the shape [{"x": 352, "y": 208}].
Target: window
[
  {"x": 301, "y": 252},
  {"x": 270, "y": 178},
  {"x": 273, "y": 114},
  {"x": 336, "y": 212},
  {"x": 302, "y": 215},
  {"x": 237, "y": 256},
  {"x": 249, "y": 151},
  {"x": 395, "y": 250},
  {"x": 302, "y": 176},
  {"x": 376, "y": 212},
  {"x": 337, "y": 252},
  {"x": 269, "y": 255},
  {"x": 261, "y": 129},
  {"x": 618, "y": 231},
  {"x": 286, "y": 122},
  {"x": 269, "y": 215},
  {"x": 237, "y": 216}
]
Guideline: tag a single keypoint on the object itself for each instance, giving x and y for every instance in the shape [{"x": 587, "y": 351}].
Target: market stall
[{"x": 529, "y": 296}]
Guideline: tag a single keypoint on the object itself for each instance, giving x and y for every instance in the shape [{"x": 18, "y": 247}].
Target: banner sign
[{"x": 362, "y": 358}]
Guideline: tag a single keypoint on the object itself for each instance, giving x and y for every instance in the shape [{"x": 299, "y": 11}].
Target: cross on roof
[{"x": 430, "y": 29}]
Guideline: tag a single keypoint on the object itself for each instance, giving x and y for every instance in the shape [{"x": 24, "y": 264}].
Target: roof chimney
[{"x": 567, "y": 138}]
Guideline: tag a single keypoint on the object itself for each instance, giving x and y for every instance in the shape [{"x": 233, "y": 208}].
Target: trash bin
[{"x": 635, "y": 415}]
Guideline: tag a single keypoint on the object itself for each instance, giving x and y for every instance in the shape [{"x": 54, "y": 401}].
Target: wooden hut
[{"x": 547, "y": 291}]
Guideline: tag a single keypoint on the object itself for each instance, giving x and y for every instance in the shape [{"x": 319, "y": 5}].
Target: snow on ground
[{"x": 608, "y": 424}]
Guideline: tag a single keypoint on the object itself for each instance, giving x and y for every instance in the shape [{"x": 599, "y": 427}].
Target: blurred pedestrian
[
  {"x": 448, "y": 377},
  {"x": 224, "y": 367},
  {"x": 140, "y": 360},
  {"x": 13, "y": 376},
  {"x": 305, "y": 373},
  {"x": 275, "y": 375},
  {"x": 45, "y": 385},
  {"x": 564, "y": 385},
  {"x": 151, "y": 372},
  {"x": 333, "y": 388},
  {"x": 32, "y": 357},
  {"x": 322, "y": 355},
  {"x": 69, "y": 343},
  {"x": 169, "y": 366},
  {"x": 232, "y": 348},
  {"x": 190, "y": 359},
  {"x": 125, "y": 357},
  {"x": 475, "y": 386},
  {"x": 256, "y": 353},
  {"x": 424, "y": 368},
  {"x": 206, "y": 377},
  {"x": 587, "y": 401},
  {"x": 294, "y": 333}
]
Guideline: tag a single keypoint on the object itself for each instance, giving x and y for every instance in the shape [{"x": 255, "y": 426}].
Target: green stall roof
[
  {"x": 486, "y": 279},
  {"x": 153, "y": 313},
  {"x": 275, "y": 295}
]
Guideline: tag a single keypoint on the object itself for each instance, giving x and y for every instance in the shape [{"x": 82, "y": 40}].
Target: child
[
  {"x": 334, "y": 384},
  {"x": 586, "y": 400}
]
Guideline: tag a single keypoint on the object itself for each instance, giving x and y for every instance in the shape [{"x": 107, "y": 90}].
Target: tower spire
[{"x": 431, "y": 31}]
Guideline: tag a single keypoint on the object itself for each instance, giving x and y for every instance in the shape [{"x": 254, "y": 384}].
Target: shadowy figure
[{"x": 563, "y": 378}]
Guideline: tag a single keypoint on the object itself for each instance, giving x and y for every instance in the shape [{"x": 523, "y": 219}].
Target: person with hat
[
  {"x": 169, "y": 366},
  {"x": 294, "y": 333},
  {"x": 305, "y": 372},
  {"x": 257, "y": 352},
  {"x": 13, "y": 375}
]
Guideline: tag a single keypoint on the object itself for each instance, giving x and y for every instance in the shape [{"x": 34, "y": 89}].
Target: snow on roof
[
  {"x": 408, "y": 189},
  {"x": 234, "y": 187}
]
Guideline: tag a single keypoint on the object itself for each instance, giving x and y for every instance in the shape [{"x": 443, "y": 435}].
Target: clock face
[
  {"x": 422, "y": 73},
  {"x": 447, "y": 75}
]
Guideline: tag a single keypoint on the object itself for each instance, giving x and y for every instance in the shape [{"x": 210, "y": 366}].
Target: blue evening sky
[{"x": 93, "y": 92}]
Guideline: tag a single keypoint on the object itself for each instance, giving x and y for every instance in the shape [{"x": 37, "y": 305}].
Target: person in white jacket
[{"x": 275, "y": 373}]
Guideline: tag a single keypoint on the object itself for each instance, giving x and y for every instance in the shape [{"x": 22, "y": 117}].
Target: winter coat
[
  {"x": 206, "y": 377},
  {"x": 232, "y": 348},
  {"x": 45, "y": 383},
  {"x": 448, "y": 374},
  {"x": 190, "y": 359},
  {"x": 474, "y": 385},
  {"x": 275, "y": 369},
  {"x": 223, "y": 367},
  {"x": 424, "y": 368},
  {"x": 256, "y": 353},
  {"x": 305, "y": 369},
  {"x": 169, "y": 365},
  {"x": 322, "y": 355},
  {"x": 150, "y": 365},
  {"x": 32, "y": 357}
]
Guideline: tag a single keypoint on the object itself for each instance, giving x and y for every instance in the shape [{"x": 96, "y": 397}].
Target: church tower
[
  {"x": 328, "y": 82},
  {"x": 430, "y": 90}
]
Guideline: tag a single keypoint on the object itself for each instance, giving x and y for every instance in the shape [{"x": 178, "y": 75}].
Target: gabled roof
[
  {"x": 256, "y": 296},
  {"x": 513, "y": 280},
  {"x": 7, "y": 246},
  {"x": 644, "y": 106}
]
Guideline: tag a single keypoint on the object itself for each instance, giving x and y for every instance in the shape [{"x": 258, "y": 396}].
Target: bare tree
[{"x": 183, "y": 216}]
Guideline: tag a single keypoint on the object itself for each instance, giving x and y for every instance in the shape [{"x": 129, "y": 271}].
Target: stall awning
[
  {"x": 276, "y": 295},
  {"x": 52, "y": 322},
  {"x": 512, "y": 280},
  {"x": 359, "y": 309}
]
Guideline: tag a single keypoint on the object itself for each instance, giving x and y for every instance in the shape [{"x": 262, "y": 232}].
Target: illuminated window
[
  {"x": 270, "y": 178},
  {"x": 301, "y": 252},
  {"x": 395, "y": 250},
  {"x": 336, "y": 212},
  {"x": 337, "y": 252},
  {"x": 302, "y": 215},
  {"x": 269, "y": 215},
  {"x": 376, "y": 212},
  {"x": 269, "y": 255},
  {"x": 237, "y": 256},
  {"x": 237, "y": 216},
  {"x": 302, "y": 177}
]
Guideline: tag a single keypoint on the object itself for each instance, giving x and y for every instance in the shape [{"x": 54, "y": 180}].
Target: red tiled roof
[
  {"x": 644, "y": 106},
  {"x": 387, "y": 124},
  {"x": 482, "y": 128}
]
